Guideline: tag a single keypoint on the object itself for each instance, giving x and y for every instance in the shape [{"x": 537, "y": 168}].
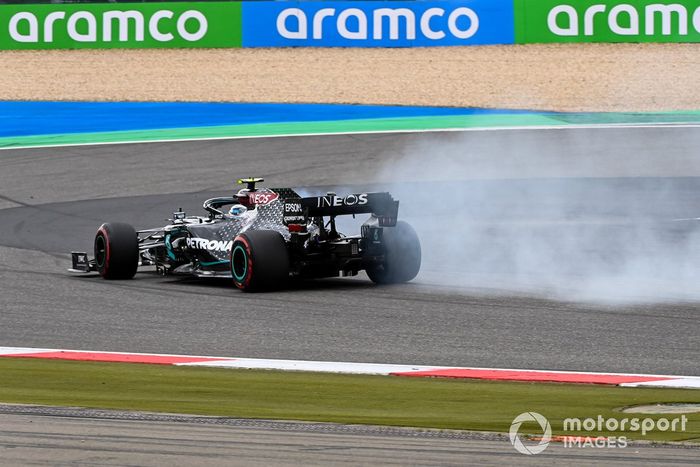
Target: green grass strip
[
  {"x": 381, "y": 400},
  {"x": 351, "y": 126}
]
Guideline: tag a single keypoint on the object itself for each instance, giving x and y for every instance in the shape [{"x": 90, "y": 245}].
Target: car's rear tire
[
  {"x": 259, "y": 261},
  {"x": 402, "y": 255},
  {"x": 116, "y": 250}
]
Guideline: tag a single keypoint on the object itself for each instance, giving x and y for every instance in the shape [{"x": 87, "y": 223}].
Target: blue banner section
[
  {"x": 377, "y": 24},
  {"x": 43, "y": 118}
]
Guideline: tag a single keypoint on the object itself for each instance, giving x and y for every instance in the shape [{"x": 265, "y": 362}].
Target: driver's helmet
[{"x": 237, "y": 210}]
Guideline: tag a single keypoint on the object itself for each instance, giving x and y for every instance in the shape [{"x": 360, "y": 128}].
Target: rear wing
[{"x": 381, "y": 205}]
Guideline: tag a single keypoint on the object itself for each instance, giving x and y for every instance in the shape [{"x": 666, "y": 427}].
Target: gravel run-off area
[{"x": 566, "y": 77}]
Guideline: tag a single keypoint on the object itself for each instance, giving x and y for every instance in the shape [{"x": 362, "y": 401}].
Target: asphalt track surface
[
  {"x": 47, "y": 436},
  {"x": 483, "y": 314}
]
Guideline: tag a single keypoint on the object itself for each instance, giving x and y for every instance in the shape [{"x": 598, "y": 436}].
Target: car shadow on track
[
  {"x": 294, "y": 285},
  {"x": 218, "y": 284}
]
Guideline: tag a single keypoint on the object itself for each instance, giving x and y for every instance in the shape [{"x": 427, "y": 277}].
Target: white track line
[
  {"x": 605, "y": 126},
  {"x": 680, "y": 383},
  {"x": 319, "y": 367}
]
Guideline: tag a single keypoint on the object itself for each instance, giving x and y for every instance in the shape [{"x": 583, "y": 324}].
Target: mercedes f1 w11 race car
[{"x": 261, "y": 237}]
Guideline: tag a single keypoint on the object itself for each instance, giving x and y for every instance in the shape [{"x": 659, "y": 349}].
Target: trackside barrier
[
  {"x": 345, "y": 23},
  {"x": 126, "y": 25},
  {"x": 607, "y": 21},
  {"x": 257, "y": 24},
  {"x": 377, "y": 24}
]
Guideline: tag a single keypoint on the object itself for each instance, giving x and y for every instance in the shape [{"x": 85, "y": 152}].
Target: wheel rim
[
  {"x": 100, "y": 250},
  {"x": 239, "y": 263}
]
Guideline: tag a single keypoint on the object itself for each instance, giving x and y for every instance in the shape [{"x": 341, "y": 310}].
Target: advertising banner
[
  {"x": 127, "y": 25},
  {"x": 377, "y": 24},
  {"x": 607, "y": 21}
]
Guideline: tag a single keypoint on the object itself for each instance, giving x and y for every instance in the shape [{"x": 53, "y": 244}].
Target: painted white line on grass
[{"x": 602, "y": 126}]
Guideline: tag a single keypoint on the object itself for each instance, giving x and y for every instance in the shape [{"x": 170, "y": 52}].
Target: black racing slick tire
[
  {"x": 259, "y": 261},
  {"x": 116, "y": 251},
  {"x": 402, "y": 256}
]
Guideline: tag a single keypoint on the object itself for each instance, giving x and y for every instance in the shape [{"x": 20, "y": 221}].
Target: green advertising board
[
  {"x": 607, "y": 21},
  {"x": 126, "y": 25}
]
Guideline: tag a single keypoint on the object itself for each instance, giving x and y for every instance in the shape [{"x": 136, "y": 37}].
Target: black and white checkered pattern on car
[
  {"x": 263, "y": 217},
  {"x": 269, "y": 217}
]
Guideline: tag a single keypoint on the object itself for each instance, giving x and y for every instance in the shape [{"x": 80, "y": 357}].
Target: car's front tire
[
  {"x": 402, "y": 256},
  {"x": 116, "y": 250},
  {"x": 259, "y": 261}
]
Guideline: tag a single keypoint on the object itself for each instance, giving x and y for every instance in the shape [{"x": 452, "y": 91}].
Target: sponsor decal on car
[
  {"x": 292, "y": 208},
  {"x": 293, "y": 213},
  {"x": 334, "y": 201},
  {"x": 262, "y": 197},
  {"x": 294, "y": 219},
  {"x": 211, "y": 245}
]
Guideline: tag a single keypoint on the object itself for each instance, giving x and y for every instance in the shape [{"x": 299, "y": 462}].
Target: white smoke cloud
[{"x": 575, "y": 222}]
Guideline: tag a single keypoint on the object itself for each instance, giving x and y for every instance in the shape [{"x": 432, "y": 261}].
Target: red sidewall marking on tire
[{"x": 105, "y": 266}]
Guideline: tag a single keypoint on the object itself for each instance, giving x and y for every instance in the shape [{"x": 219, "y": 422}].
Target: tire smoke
[{"x": 588, "y": 218}]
